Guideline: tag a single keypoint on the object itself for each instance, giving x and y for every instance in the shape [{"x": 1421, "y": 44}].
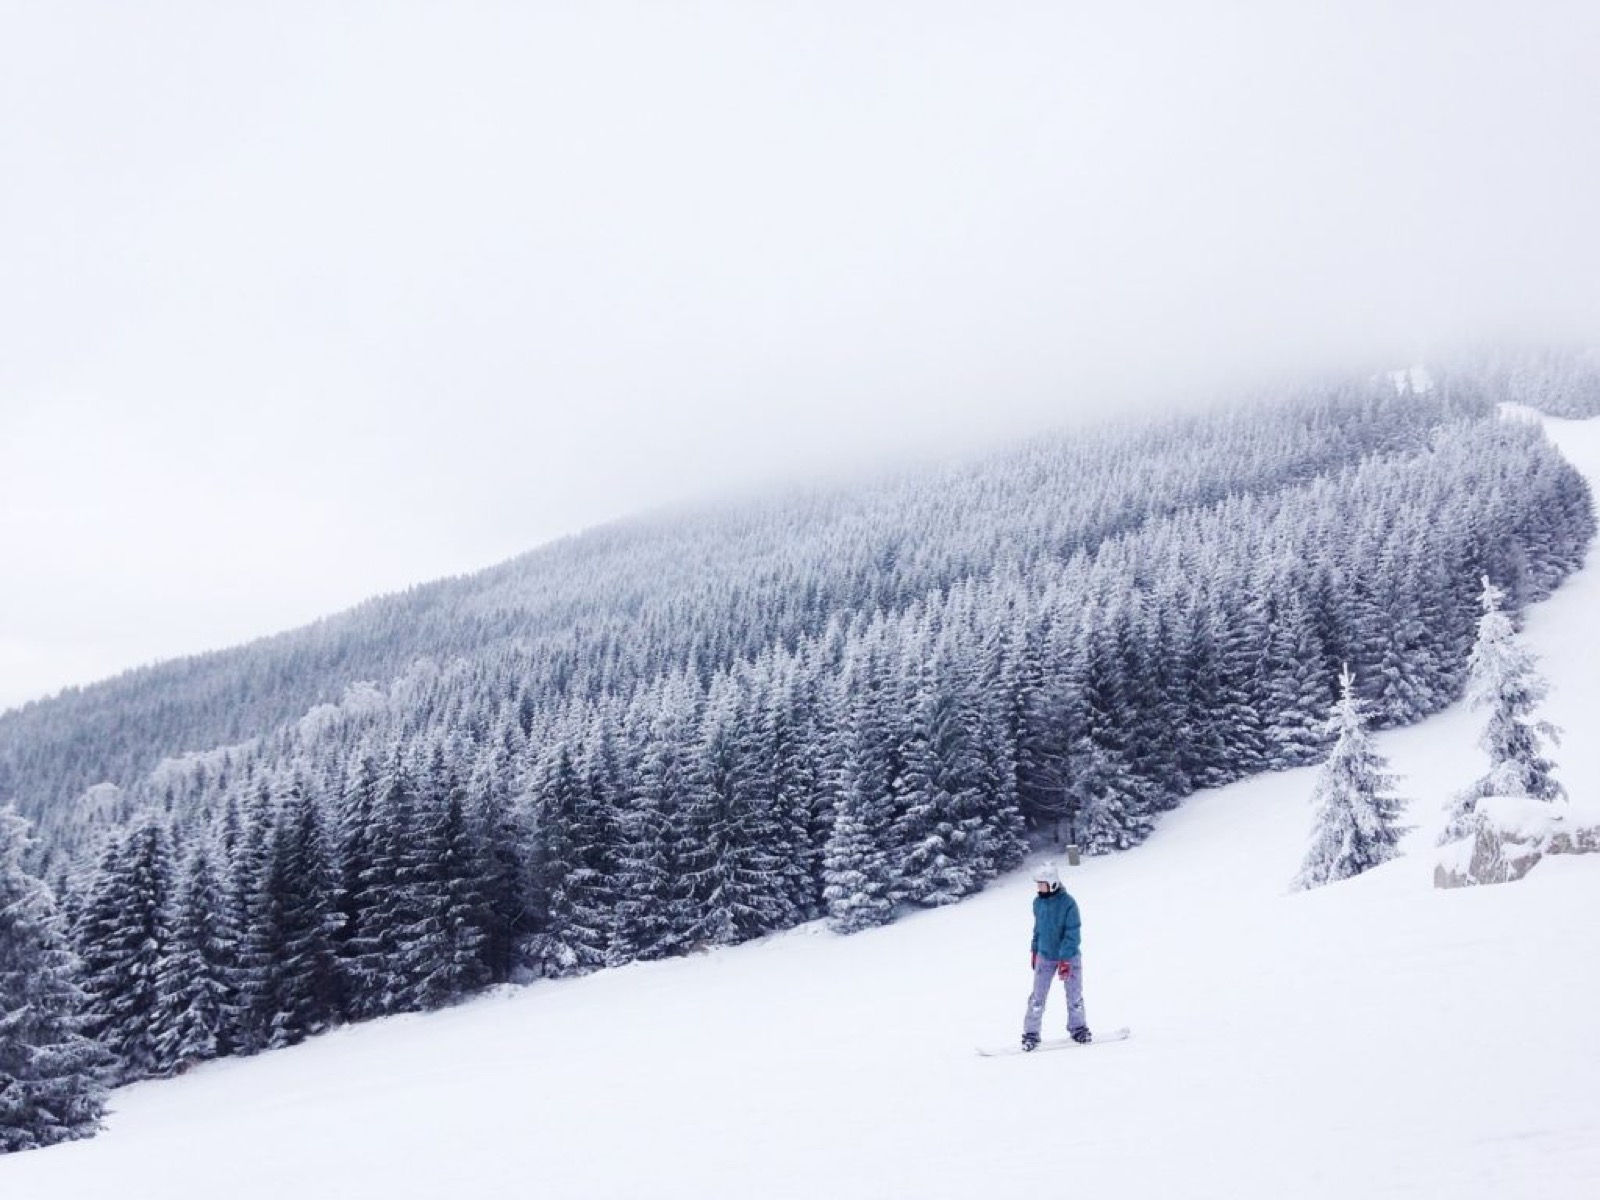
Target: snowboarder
[{"x": 1055, "y": 955}]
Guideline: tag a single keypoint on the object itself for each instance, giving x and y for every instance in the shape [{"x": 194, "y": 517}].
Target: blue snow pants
[{"x": 1043, "y": 973}]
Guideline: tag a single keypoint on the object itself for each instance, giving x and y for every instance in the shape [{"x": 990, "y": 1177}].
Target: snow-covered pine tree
[
  {"x": 572, "y": 872},
  {"x": 1356, "y": 826},
  {"x": 661, "y": 728},
  {"x": 400, "y": 898},
  {"x": 935, "y": 814},
  {"x": 243, "y": 867},
  {"x": 1203, "y": 754},
  {"x": 1002, "y": 841},
  {"x": 123, "y": 939},
  {"x": 497, "y": 829},
  {"x": 1502, "y": 678},
  {"x": 1298, "y": 689},
  {"x": 1032, "y": 728},
  {"x": 1398, "y": 633},
  {"x": 785, "y": 783},
  {"x": 957, "y": 823},
  {"x": 731, "y": 872},
  {"x": 1242, "y": 636},
  {"x": 50, "y": 1089},
  {"x": 192, "y": 1022},
  {"x": 463, "y": 870},
  {"x": 1147, "y": 645},
  {"x": 301, "y": 876},
  {"x": 859, "y": 881},
  {"x": 354, "y": 834},
  {"x": 857, "y": 891},
  {"x": 1115, "y": 808},
  {"x": 428, "y": 875}
]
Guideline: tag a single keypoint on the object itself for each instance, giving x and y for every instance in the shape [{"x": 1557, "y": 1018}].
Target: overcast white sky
[{"x": 306, "y": 302}]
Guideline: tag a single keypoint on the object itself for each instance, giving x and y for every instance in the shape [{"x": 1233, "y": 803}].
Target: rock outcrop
[{"x": 1509, "y": 838}]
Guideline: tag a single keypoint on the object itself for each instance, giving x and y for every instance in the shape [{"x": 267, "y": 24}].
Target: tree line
[{"x": 460, "y": 827}]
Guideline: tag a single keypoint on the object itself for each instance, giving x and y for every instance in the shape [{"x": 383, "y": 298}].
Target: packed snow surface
[{"x": 1377, "y": 1037}]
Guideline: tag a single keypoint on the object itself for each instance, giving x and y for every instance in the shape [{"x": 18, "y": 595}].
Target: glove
[
  {"x": 1065, "y": 969},
  {"x": 1033, "y": 960}
]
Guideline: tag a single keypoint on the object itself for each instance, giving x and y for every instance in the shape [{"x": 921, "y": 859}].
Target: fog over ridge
[{"x": 307, "y": 305}]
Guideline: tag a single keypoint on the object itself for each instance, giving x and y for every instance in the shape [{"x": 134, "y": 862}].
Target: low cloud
[{"x": 315, "y": 302}]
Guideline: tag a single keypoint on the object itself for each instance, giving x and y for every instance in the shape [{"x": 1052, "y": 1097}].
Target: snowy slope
[{"x": 1374, "y": 1038}]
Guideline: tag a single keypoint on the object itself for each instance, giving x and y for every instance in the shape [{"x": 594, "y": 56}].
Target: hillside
[
  {"x": 876, "y": 729},
  {"x": 1377, "y": 1037},
  {"x": 623, "y": 606}
]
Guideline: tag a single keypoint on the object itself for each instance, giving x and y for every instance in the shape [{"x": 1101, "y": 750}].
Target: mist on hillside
[{"x": 317, "y": 304}]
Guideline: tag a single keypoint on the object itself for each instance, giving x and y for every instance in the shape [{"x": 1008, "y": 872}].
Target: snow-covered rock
[{"x": 1510, "y": 835}]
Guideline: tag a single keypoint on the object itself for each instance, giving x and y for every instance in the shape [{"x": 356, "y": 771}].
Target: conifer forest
[{"x": 696, "y": 728}]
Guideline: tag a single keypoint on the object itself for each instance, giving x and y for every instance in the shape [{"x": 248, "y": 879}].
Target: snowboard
[{"x": 1056, "y": 1043}]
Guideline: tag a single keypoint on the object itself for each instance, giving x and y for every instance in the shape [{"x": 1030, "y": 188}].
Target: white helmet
[{"x": 1047, "y": 873}]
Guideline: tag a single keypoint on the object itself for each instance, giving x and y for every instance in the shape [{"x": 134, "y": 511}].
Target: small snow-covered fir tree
[
  {"x": 1357, "y": 823},
  {"x": 1501, "y": 677},
  {"x": 49, "y": 1072}
]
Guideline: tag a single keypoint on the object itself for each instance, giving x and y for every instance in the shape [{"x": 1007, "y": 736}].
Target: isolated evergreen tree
[
  {"x": 1356, "y": 826},
  {"x": 1502, "y": 678},
  {"x": 50, "y": 1088}
]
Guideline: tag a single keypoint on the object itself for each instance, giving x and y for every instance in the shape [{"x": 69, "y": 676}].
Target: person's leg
[
  {"x": 1043, "y": 972},
  {"x": 1073, "y": 984}
]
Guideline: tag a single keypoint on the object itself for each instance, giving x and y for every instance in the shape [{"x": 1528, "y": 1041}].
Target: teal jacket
[{"x": 1055, "y": 926}]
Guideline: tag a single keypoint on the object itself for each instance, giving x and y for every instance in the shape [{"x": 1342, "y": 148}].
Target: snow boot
[
  {"x": 1081, "y": 1035},
  {"x": 1030, "y": 1041}
]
